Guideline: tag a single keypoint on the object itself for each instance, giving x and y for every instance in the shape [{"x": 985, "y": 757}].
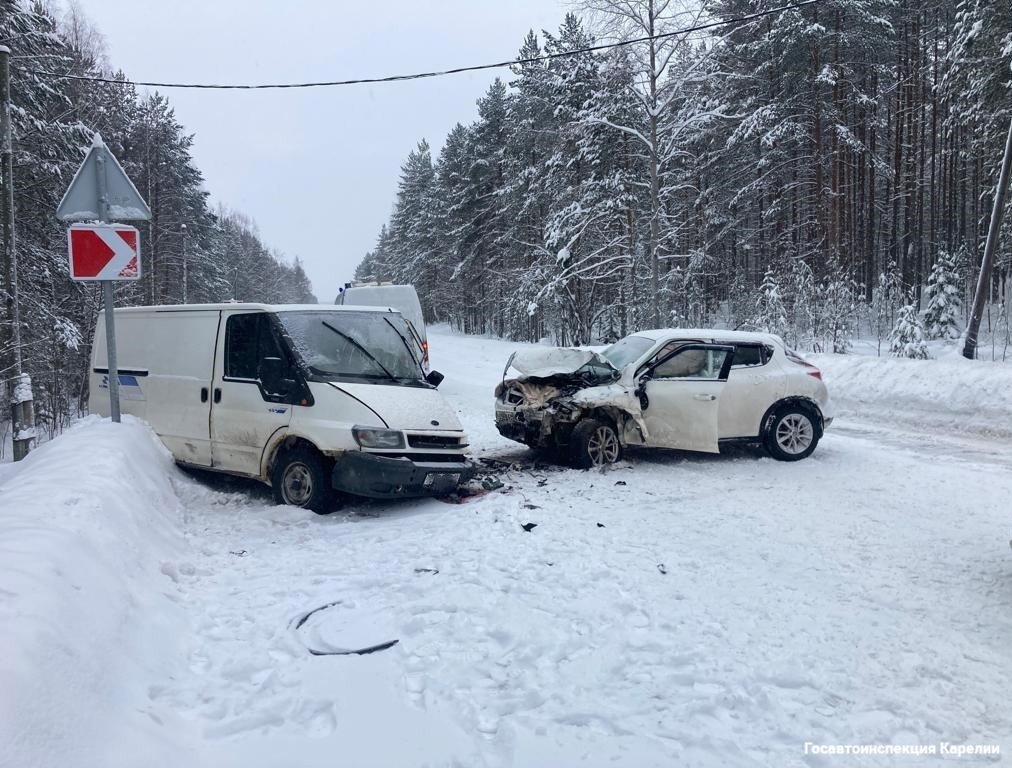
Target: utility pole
[
  {"x": 987, "y": 264},
  {"x": 20, "y": 385},
  {"x": 182, "y": 228}
]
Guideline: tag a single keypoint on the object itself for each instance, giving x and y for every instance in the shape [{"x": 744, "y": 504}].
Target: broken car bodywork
[{"x": 558, "y": 387}]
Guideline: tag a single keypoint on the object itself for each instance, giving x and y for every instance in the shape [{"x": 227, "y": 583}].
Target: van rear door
[
  {"x": 244, "y": 415},
  {"x": 164, "y": 359}
]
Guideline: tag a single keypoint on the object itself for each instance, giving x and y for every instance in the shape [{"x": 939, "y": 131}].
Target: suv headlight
[{"x": 370, "y": 437}]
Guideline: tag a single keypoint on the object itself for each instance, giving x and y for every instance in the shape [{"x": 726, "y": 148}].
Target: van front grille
[{"x": 433, "y": 442}]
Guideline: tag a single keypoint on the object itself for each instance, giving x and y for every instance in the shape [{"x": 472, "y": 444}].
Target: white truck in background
[
  {"x": 403, "y": 298},
  {"x": 307, "y": 398}
]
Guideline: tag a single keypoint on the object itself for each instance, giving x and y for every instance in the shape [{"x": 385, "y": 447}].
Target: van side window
[{"x": 248, "y": 339}]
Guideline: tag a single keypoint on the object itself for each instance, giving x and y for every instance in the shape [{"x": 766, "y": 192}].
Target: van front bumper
[{"x": 386, "y": 477}]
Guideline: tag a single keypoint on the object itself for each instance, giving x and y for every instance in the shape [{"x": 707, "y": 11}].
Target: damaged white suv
[{"x": 691, "y": 390}]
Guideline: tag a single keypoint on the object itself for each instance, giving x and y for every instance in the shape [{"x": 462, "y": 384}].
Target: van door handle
[
  {"x": 705, "y": 398},
  {"x": 203, "y": 394},
  {"x": 217, "y": 394}
]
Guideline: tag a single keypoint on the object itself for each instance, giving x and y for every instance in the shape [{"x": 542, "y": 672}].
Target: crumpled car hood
[{"x": 546, "y": 362}]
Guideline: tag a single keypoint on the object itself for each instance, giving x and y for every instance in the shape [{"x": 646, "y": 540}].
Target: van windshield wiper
[
  {"x": 361, "y": 349},
  {"x": 403, "y": 340},
  {"x": 415, "y": 334}
]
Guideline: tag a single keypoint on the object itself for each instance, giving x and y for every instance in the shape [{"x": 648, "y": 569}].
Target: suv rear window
[{"x": 750, "y": 355}]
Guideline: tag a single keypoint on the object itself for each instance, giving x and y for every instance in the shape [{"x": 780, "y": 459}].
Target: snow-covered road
[{"x": 677, "y": 610}]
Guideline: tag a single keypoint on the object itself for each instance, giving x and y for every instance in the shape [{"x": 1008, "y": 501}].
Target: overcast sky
[{"x": 316, "y": 168}]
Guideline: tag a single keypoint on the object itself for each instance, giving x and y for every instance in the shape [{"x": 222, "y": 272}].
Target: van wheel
[
  {"x": 791, "y": 433},
  {"x": 300, "y": 479},
  {"x": 594, "y": 443}
]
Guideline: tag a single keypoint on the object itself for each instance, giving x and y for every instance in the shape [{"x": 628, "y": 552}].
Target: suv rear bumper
[{"x": 386, "y": 477}]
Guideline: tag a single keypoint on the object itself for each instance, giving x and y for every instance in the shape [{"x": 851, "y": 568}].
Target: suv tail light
[{"x": 797, "y": 359}]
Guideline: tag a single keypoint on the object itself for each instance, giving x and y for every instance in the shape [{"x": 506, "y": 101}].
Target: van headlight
[{"x": 370, "y": 437}]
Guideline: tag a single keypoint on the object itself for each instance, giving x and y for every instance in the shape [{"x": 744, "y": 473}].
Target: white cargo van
[
  {"x": 403, "y": 298},
  {"x": 306, "y": 398}
]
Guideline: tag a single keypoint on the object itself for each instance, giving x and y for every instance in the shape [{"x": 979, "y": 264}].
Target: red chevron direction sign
[{"x": 104, "y": 252}]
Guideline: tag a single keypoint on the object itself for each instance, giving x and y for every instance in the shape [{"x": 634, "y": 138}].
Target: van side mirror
[
  {"x": 271, "y": 373},
  {"x": 434, "y": 378}
]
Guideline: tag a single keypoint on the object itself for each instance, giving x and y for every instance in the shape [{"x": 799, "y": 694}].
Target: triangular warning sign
[{"x": 81, "y": 203}]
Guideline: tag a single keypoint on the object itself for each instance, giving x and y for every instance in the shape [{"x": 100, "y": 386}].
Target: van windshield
[{"x": 374, "y": 346}]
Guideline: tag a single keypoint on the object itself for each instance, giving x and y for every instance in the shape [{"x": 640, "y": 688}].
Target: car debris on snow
[{"x": 319, "y": 637}]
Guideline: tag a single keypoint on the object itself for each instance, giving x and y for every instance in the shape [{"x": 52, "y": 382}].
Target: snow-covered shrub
[
  {"x": 836, "y": 311},
  {"x": 770, "y": 313},
  {"x": 907, "y": 337},
  {"x": 943, "y": 299},
  {"x": 739, "y": 306}
]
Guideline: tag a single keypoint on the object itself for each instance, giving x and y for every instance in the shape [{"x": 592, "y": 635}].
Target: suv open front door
[{"x": 681, "y": 394}]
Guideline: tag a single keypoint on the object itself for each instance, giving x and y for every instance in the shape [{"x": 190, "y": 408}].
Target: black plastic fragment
[
  {"x": 349, "y": 652},
  {"x": 357, "y": 652}
]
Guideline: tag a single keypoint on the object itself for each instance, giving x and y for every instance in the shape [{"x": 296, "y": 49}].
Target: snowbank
[
  {"x": 951, "y": 393},
  {"x": 86, "y": 615}
]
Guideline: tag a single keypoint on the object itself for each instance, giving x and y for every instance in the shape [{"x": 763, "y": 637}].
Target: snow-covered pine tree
[
  {"x": 770, "y": 314},
  {"x": 653, "y": 126},
  {"x": 411, "y": 235},
  {"x": 575, "y": 232},
  {"x": 483, "y": 220},
  {"x": 524, "y": 198},
  {"x": 941, "y": 315},
  {"x": 373, "y": 266},
  {"x": 613, "y": 192},
  {"x": 907, "y": 337}
]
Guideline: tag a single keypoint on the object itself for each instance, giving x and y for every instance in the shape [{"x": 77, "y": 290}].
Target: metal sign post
[
  {"x": 107, "y": 295},
  {"x": 101, "y": 191}
]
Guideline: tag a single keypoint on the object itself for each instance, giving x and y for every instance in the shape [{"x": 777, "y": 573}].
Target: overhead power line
[{"x": 439, "y": 73}]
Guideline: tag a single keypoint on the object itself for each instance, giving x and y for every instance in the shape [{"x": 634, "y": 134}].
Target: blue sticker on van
[
  {"x": 277, "y": 410},
  {"x": 129, "y": 387}
]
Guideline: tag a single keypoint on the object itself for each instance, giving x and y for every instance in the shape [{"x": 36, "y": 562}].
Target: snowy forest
[
  {"x": 821, "y": 173},
  {"x": 53, "y": 124}
]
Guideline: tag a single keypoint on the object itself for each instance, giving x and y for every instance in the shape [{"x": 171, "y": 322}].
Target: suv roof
[{"x": 710, "y": 334}]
